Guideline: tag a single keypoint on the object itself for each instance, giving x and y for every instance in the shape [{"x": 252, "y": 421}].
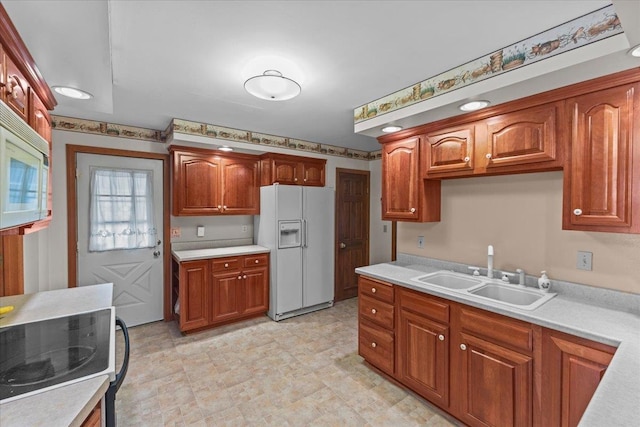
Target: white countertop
[
  {"x": 66, "y": 405},
  {"x": 195, "y": 254},
  {"x": 616, "y": 401}
]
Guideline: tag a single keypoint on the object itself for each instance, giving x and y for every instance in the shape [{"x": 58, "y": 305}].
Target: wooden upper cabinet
[
  {"x": 602, "y": 177},
  {"x": 16, "y": 89},
  {"x": 291, "y": 170},
  {"x": 525, "y": 138},
  {"x": 206, "y": 183},
  {"x": 449, "y": 152},
  {"x": 39, "y": 118}
]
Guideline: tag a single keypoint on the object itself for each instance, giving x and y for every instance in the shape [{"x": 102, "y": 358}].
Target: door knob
[
  {"x": 342, "y": 245},
  {"x": 156, "y": 254}
]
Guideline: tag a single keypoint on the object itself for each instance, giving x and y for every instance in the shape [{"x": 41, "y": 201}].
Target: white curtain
[{"x": 121, "y": 210}]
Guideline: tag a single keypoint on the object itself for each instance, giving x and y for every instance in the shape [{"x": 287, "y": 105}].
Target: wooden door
[
  {"x": 573, "y": 368},
  {"x": 194, "y": 294},
  {"x": 240, "y": 189},
  {"x": 599, "y": 182},
  {"x": 400, "y": 180},
  {"x": 227, "y": 294},
  {"x": 494, "y": 384},
  {"x": 423, "y": 356},
  {"x": 196, "y": 184},
  {"x": 450, "y": 152},
  {"x": 352, "y": 230},
  {"x": 256, "y": 290},
  {"x": 313, "y": 173}
]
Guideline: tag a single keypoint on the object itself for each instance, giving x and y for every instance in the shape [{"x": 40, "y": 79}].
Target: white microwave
[{"x": 24, "y": 171}]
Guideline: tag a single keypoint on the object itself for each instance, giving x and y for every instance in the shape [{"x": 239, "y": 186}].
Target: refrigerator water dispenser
[{"x": 290, "y": 234}]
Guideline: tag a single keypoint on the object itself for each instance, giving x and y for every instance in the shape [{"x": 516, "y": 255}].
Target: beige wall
[{"x": 521, "y": 216}]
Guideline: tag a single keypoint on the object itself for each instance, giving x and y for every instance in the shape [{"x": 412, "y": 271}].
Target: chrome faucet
[
  {"x": 520, "y": 272},
  {"x": 490, "y": 262}
]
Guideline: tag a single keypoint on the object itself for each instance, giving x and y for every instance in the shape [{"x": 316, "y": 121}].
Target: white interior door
[{"x": 136, "y": 273}]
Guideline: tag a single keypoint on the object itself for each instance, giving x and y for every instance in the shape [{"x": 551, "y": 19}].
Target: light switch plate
[
  {"x": 420, "y": 242},
  {"x": 585, "y": 260},
  {"x": 200, "y": 231},
  {"x": 175, "y": 232}
]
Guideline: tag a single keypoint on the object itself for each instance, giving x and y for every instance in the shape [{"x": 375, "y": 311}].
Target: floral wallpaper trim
[
  {"x": 589, "y": 28},
  {"x": 256, "y": 138},
  {"x": 103, "y": 128}
]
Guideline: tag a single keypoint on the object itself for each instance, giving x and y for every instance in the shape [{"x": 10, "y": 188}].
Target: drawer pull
[
  {"x": 463, "y": 347},
  {"x": 239, "y": 277},
  {"x": 374, "y": 345},
  {"x": 256, "y": 261},
  {"x": 226, "y": 265},
  {"x": 373, "y": 311},
  {"x": 373, "y": 290},
  {"x": 441, "y": 337}
]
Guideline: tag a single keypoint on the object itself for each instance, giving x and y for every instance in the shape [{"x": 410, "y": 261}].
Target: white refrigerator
[{"x": 297, "y": 224}]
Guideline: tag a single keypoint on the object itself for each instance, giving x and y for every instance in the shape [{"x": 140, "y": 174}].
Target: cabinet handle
[
  {"x": 463, "y": 347},
  {"x": 257, "y": 261},
  {"x": 441, "y": 337},
  {"x": 226, "y": 265},
  {"x": 373, "y": 311},
  {"x": 488, "y": 156},
  {"x": 577, "y": 212},
  {"x": 244, "y": 277},
  {"x": 466, "y": 159},
  {"x": 412, "y": 210},
  {"x": 373, "y": 290},
  {"x": 374, "y": 345}
]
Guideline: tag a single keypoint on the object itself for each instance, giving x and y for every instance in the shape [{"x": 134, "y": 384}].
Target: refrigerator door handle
[{"x": 304, "y": 233}]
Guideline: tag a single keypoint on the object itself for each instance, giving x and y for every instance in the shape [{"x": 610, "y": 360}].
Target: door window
[{"x": 121, "y": 210}]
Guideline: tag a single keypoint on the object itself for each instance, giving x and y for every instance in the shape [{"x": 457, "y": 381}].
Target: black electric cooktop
[{"x": 49, "y": 352}]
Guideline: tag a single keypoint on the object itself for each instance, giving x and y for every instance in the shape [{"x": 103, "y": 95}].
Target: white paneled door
[{"x": 119, "y": 208}]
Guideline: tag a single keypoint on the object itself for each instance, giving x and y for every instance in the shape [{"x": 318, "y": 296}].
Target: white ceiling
[{"x": 147, "y": 62}]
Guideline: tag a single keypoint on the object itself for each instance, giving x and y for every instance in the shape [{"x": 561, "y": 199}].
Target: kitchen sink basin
[
  {"x": 448, "y": 279},
  {"x": 520, "y": 297}
]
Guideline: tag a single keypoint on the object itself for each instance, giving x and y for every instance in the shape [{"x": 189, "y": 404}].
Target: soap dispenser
[{"x": 543, "y": 282}]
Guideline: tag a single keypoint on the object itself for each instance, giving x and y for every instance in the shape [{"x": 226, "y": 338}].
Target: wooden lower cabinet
[
  {"x": 221, "y": 290},
  {"x": 483, "y": 368},
  {"x": 94, "y": 419}
]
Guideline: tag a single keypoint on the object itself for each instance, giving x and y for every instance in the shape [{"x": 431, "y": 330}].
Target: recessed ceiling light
[
  {"x": 225, "y": 148},
  {"x": 474, "y": 105},
  {"x": 272, "y": 86},
  {"x": 391, "y": 129},
  {"x": 72, "y": 92},
  {"x": 635, "y": 51}
]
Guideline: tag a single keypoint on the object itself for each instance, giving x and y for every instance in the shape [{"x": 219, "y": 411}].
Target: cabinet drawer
[
  {"x": 225, "y": 264},
  {"x": 497, "y": 328},
  {"x": 376, "y": 311},
  {"x": 375, "y": 289},
  {"x": 260, "y": 260},
  {"x": 424, "y": 305},
  {"x": 376, "y": 346}
]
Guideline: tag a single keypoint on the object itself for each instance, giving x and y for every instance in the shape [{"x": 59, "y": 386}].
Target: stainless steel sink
[
  {"x": 448, "y": 279},
  {"x": 520, "y": 297}
]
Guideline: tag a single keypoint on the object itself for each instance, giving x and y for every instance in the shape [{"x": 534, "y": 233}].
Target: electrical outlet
[
  {"x": 175, "y": 232},
  {"x": 585, "y": 260},
  {"x": 420, "y": 242},
  {"x": 200, "y": 231},
  {"x": 244, "y": 228}
]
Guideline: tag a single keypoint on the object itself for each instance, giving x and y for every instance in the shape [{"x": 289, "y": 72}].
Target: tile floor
[{"x": 303, "y": 371}]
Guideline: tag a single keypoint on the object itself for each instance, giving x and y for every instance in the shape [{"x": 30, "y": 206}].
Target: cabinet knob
[
  {"x": 295, "y": 179},
  {"x": 373, "y": 290},
  {"x": 239, "y": 277},
  {"x": 441, "y": 337},
  {"x": 305, "y": 180},
  {"x": 257, "y": 262},
  {"x": 412, "y": 210},
  {"x": 226, "y": 265},
  {"x": 219, "y": 207},
  {"x": 466, "y": 159},
  {"x": 374, "y": 311},
  {"x": 224, "y": 207},
  {"x": 463, "y": 347},
  {"x": 488, "y": 156},
  {"x": 577, "y": 212},
  {"x": 374, "y": 345},
  {"x": 244, "y": 277}
]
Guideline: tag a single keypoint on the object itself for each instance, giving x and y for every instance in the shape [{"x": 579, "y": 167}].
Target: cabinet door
[
  {"x": 400, "y": 181},
  {"x": 524, "y": 138},
  {"x": 256, "y": 290},
  {"x": 194, "y": 294},
  {"x": 227, "y": 294},
  {"x": 16, "y": 90},
  {"x": 40, "y": 119},
  {"x": 240, "y": 190},
  {"x": 599, "y": 181},
  {"x": 285, "y": 172},
  {"x": 376, "y": 346},
  {"x": 313, "y": 173},
  {"x": 196, "y": 184},
  {"x": 494, "y": 384},
  {"x": 573, "y": 368},
  {"x": 423, "y": 357},
  {"x": 450, "y": 152}
]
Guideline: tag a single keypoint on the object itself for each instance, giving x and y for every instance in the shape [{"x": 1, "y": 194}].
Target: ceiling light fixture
[
  {"x": 225, "y": 148},
  {"x": 71, "y": 92},
  {"x": 272, "y": 86},
  {"x": 474, "y": 105},
  {"x": 391, "y": 129},
  {"x": 635, "y": 51}
]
